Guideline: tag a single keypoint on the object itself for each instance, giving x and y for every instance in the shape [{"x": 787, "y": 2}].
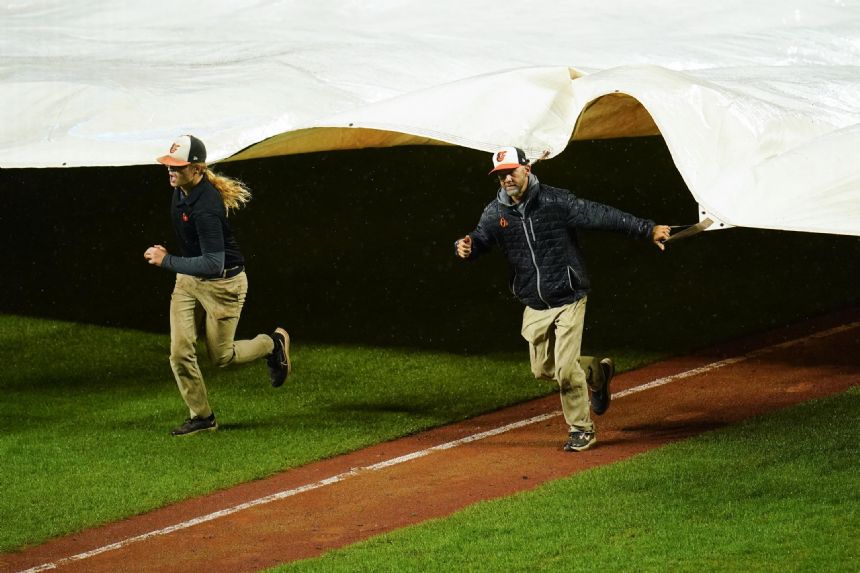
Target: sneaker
[
  {"x": 579, "y": 440},
  {"x": 279, "y": 359},
  {"x": 194, "y": 425},
  {"x": 601, "y": 396}
]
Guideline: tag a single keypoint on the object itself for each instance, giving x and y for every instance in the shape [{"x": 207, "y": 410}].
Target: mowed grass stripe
[{"x": 779, "y": 492}]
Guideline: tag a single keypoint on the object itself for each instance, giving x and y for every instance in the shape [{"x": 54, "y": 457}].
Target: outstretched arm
[{"x": 592, "y": 215}]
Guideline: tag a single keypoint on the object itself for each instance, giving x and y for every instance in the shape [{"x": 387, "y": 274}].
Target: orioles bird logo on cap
[
  {"x": 174, "y": 147},
  {"x": 500, "y": 156}
]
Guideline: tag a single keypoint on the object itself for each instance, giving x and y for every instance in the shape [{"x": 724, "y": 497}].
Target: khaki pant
[
  {"x": 555, "y": 340},
  {"x": 213, "y": 307}
]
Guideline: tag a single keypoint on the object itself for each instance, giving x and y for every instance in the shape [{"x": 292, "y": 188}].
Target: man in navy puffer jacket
[{"x": 535, "y": 226}]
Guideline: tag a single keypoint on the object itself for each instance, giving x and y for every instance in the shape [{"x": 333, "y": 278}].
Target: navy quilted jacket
[{"x": 543, "y": 252}]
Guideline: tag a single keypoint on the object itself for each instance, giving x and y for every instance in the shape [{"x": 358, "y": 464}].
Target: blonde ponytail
[{"x": 234, "y": 193}]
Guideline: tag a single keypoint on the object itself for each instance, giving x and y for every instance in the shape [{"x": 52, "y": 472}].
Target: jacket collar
[{"x": 532, "y": 191}]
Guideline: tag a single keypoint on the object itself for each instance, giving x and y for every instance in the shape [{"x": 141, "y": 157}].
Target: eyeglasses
[{"x": 177, "y": 167}]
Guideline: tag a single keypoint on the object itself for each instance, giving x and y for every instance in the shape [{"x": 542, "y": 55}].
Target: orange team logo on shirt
[
  {"x": 500, "y": 156},
  {"x": 503, "y": 222},
  {"x": 174, "y": 147},
  {"x": 185, "y": 217}
]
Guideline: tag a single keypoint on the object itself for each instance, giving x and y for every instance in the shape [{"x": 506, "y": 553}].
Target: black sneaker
[
  {"x": 194, "y": 425},
  {"x": 279, "y": 359},
  {"x": 579, "y": 440},
  {"x": 601, "y": 396}
]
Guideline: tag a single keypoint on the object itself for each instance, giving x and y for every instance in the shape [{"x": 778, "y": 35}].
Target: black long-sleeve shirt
[{"x": 205, "y": 238}]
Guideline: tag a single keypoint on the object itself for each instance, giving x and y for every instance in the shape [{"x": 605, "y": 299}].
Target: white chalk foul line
[{"x": 425, "y": 452}]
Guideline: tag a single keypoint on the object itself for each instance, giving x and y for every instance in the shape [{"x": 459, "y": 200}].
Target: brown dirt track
[{"x": 370, "y": 501}]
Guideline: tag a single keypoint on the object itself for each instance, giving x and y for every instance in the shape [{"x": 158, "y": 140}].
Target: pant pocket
[{"x": 226, "y": 297}]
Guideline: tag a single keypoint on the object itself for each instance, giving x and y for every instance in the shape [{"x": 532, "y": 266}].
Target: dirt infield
[{"x": 307, "y": 511}]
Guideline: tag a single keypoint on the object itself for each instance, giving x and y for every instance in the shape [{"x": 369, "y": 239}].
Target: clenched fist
[{"x": 464, "y": 247}]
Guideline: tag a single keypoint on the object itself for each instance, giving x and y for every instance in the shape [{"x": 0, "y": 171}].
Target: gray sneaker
[
  {"x": 194, "y": 425},
  {"x": 579, "y": 441}
]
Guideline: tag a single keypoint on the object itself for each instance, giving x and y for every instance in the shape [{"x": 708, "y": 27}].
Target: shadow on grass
[
  {"x": 384, "y": 407},
  {"x": 253, "y": 425}
]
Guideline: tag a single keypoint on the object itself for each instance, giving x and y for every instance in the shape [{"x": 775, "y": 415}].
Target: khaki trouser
[
  {"x": 555, "y": 340},
  {"x": 213, "y": 306}
]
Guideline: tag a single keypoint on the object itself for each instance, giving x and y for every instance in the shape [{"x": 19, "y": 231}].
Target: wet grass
[{"x": 86, "y": 415}]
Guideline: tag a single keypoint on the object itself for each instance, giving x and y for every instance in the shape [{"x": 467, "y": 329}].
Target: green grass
[
  {"x": 86, "y": 415},
  {"x": 776, "y": 493}
]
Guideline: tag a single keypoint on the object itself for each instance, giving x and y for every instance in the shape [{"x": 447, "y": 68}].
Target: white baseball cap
[
  {"x": 185, "y": 149},
  {"x": 508, "y": 158}
]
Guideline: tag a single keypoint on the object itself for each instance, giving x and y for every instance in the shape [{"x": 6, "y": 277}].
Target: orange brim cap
[
  {"x": 508, "y": 158},
  {"x": 170, "y": 160},
  {"x": 503, "y": 166},
  {"x": 184, "y": 150}
]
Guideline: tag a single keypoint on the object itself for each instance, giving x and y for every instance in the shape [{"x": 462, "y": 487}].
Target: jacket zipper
[
  {"x": 571, "y": 273},
  {"x": 534, "y": 259}
]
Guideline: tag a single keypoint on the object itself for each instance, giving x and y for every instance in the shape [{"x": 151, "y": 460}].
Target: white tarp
[{"x": 758, "y": 100}]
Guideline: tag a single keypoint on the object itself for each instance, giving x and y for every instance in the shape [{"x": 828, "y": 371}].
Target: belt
[
  {"x": 232, "y": 272},
  {"x": 225, "y": 274}
]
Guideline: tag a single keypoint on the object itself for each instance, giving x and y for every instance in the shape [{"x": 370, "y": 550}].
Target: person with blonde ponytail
[{"x": 211, "y": 283}]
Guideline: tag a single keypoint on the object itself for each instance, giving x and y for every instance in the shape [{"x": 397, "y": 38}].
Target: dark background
[{"x": 357, "y": 247}]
